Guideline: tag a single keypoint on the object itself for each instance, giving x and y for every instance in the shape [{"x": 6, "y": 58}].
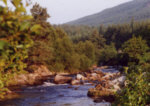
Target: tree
[
  {"x": 41, "y": 53},
  {"x": 135, "y": 48},
  {"x": 97, "y": 39},
  {"x": 39, "y": 13},
  {"x": 107, "y": 54}
]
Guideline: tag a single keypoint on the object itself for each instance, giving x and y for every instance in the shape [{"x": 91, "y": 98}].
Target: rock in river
[
  {"x": 76, "y": 82},
  {"x": 59, "y": 79},
  {"x": 80, "y": 77}
]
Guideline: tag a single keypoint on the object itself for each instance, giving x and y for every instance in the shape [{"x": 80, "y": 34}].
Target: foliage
[
  {"x": 135, "y": 48},
  {"x": 108, "y": 54},
  {"x": 136, "y": 92},
  {"x": 87, "y": 53},
  {"x": 78, "y": 33},
  {"x": 39, "y": 13},
  {"x": 57, "y": 51},
  {"x": 97, "y": 39},
  {"x": 65, "y": 55},
  {"x": 15, "y": 40}
]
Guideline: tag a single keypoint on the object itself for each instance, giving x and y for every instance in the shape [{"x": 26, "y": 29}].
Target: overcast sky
[{"x": 62, "y": 11}]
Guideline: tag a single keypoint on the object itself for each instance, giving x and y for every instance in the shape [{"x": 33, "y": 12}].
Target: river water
[
  {"x": 50, "y": 94},
  {"x": 54, "y": 95}
]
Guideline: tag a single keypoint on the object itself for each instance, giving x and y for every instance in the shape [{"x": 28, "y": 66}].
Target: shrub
[
  {"x": 15, "y": 28},
  {"x": 136, "y": 92}
]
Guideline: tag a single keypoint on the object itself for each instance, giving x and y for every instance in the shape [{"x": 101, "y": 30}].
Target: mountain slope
[{"x": 137, "y": 9}]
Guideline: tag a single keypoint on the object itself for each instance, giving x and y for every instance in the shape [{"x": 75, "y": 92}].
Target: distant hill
[{"x": 137, "y": 9}]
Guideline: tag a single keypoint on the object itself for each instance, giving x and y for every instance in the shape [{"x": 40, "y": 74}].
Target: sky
[{"x": 62, "y": 11}]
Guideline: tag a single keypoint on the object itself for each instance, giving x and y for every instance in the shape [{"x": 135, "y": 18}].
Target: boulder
[
  {"x": 110, "y": 75},
  {"x": 80, "y": 77},
  {"x": 19, "y": 80},
  {"x": 42, "y": 71},
  {"x": 116, "y": 88},
  {"x": 76, "y": 82},
  {"x": 94, "y": 75},
  {"x": 59, "y": 79},
  {"x": 119, "y": 81},
  {"x": 35, "y": 77}
]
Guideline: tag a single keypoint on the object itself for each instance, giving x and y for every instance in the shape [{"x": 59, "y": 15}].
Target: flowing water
[
  {"x": 54, "y": 95},
  {"x": 50, "y": 94}
]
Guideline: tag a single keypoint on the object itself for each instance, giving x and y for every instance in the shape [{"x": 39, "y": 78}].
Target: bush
[
  {"x": 15, "y": 39},
  {"x": 136, "y": 92}
]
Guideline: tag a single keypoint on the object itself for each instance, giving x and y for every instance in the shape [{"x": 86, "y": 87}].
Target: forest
[{"x": 27, "y": 40}]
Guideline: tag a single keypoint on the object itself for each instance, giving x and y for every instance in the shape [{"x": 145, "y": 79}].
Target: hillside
[{"x": 137, "y": 9}]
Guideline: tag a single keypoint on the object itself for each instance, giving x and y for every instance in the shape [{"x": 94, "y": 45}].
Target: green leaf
[
  {"x": 36, "y": 28},
  {"x": 3, "y": 44},
  {"x": 25, "y": 26}
]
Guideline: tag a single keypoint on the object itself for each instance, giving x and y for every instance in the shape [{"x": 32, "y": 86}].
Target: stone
[
  {"x": 46, "y": 84},
  {"x": 116, "y": 88},
  {"x": 117, "y": 83},
  {"x": 76, "y": 82},
  {"x": 80, "y": 77},
  {"x": 120, "y": 80},
  {"x": 59, "y": 79},
  {"x": 20, "y": 80},
  {"x": 35, "y": 77},
  {"x": 42, "y": 71},
  {"x": 110, "y": 75},
  {"x": 94, "y": 75}
]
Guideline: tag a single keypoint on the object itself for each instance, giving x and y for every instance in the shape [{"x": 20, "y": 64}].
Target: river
[
  {"x": 53, "y": 95},
  {"x": 50, "y": 94}
]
